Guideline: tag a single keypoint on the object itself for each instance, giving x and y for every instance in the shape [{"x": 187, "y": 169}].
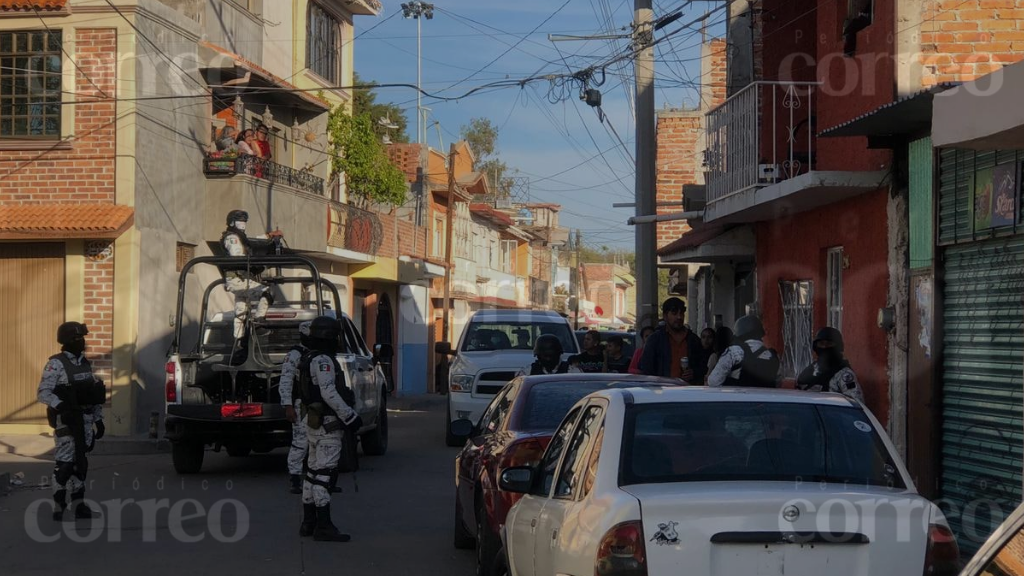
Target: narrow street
[{"x": 400, "y": 518}]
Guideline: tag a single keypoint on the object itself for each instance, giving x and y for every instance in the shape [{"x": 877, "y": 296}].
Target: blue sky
[{"x": 538, "y": 137}]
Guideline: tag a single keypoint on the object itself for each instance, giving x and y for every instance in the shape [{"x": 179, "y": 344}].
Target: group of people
[{"x": 248, "y": 142}]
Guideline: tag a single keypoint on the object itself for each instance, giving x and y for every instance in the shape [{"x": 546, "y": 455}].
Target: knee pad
[{"x": 62, "y": 472}]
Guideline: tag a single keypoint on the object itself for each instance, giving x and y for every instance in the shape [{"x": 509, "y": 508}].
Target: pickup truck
[{"x": 211, "y": 401}]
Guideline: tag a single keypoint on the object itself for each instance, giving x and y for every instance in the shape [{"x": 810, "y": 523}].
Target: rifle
[{"x": 73, "y": 416}]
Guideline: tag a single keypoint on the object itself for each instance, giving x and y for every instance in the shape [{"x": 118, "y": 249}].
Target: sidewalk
[{"x": 41, "y": 445}]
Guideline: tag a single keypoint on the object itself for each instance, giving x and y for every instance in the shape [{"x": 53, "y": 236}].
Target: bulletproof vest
[
  {"x": 756, "y": 372},
  {"x": 309, "y": 391},
  {"x": 85, "y": 390},
  {"x": 243, "y": 269}
]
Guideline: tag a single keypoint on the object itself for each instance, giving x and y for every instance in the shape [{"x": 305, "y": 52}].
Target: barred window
[
  {"x": 30, "y": 84},
  {"x": 834, "y": 279},
  {"x": 323, "y": 44},
  {"x": 797, "y": 316},
  {"x": 185, "y": 252}
]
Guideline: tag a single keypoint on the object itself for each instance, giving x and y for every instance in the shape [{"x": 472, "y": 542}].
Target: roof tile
[
  {"x": 98, "y": 221},
  {"x": 26, "y": 5}
]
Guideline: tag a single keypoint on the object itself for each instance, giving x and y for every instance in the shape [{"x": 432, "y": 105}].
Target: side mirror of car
[
  {"x": 462, "y": 429},
  {"x": 443, "y": 348},
  {"x": 383, "y": 352},
  {"x": 518, "y": 480}
]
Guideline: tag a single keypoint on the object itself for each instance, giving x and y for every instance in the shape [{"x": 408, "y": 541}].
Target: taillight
[
  {"x": 622, "y": 552},
  {"x": 171, "y": 381},
  {"x": 525, "y": 453},
  {"x": 943, "y": 555},
  {"x": 241, "y": 410}
]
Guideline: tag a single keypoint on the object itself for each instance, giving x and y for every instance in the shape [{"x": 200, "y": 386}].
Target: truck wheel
[
  {"x": 349, "y": 453},
  {"x": 375, "y": 442},
  {"x": 238, "y": 450},
  {"x": 449, "y": 438},
  {"x": 187, "y": 457}
]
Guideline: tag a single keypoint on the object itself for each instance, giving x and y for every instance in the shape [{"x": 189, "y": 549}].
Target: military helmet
[
  {"x": 237, "y": 216},
  {"x": 749, "y": 327},
  {"x": 324, "y": 328},
  {"x": 830, "y": 335},
  {"x": 547, "y": 344},
  {"x": 68, "y": 332}
]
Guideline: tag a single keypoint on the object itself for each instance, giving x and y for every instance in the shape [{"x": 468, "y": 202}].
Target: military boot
[
  {"x": 309, "y": 514},
  {"x": 60, "y": 504},
  {"x": 82, "y": 510},
  {"x": 325, "y": 530}
]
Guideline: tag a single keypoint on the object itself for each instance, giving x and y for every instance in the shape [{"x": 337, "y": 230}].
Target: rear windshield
[
  {"x": 737, "y": 441},
  {"x": 490, "y": 336},
  {"x": 547, "y": 403}
]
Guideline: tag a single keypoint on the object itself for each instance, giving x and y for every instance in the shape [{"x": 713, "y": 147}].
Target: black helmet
[
  {"x": 237, "y": 216},
  {"x": 324, "y": 328},
  {"x": 68, "y": 332},
  {"x": 831, "y": 335},
  {"x": 547, "y": 344},
  {"x": 749, "y": 327}
]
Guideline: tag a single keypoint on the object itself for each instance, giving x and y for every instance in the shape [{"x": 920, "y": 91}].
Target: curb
[
  {"x": 423, "y": 402},
  {"x": 36, "y": 446}
]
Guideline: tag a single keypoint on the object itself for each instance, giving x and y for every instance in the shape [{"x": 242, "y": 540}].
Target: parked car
[
  {"x": 628, "y": 340},
  {"x": 1003, "y": 552},
  {"x": 514, "y": 431},
  {"x": 493, "y": 348},
  {"x": 721, "y": 482},
  {"x": 211, "y": 401}
]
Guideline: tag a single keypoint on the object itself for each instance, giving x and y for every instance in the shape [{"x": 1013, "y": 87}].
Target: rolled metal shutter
[{"x": 982, "y": 385}]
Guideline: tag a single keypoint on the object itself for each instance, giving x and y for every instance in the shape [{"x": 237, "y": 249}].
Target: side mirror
[
  {"x": 383, "y": 352},
  {"x": 518, "y": 480},
  {"x": 443, "y": 348},
  {"x": 462, "y": 429}
]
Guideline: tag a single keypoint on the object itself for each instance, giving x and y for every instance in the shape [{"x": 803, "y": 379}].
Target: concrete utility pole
[
  {"x": 419, "y": 11},
  {"x": 449, "y": 219},
  {"x": 646, "y": 193},
  {"x": 579, "y": 274}
]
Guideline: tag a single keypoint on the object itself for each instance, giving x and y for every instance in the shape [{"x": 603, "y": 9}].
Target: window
[
  {"x": 500, "y": 335},
  {"x": 439, "y": 238},
  {"x": 184, "y": 253},
  {"x": 323, "y": 44},
  {"x": 797, "y": 315},
  {"x": 549, "y": 462},
  {"x": 834, "y": 279},
  {"x": 30, "y": 84},
  {"x": 508, "y": 250},
  {"x": 859, "y": 15},
  {"x": 490, "y": 422},
  {"x": 577, "y": 452}
]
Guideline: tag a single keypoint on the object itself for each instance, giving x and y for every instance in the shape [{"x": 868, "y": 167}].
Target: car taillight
[
  {"x": 622, "y": 552},
  {"x": 241, "y": 410},
  {"x": 171, "y": 381},
  {"x": 525, "y": 453},
  {"x": 943, "y": 555}
]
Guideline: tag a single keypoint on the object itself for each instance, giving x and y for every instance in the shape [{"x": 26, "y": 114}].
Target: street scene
[{"x": 721, "y": 288}]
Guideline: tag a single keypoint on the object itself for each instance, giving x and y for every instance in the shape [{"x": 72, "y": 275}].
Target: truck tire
[
  {"x": 238, "y": 450},
  {"x": 349, "y": 461},
  {"x": 187, "y": 457},
  {"x": 375, "y": 442}
]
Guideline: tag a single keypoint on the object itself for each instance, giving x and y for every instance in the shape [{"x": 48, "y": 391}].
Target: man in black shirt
[
  {"x": 618, "y": 363},
  {"x": 592, "y": 358}
]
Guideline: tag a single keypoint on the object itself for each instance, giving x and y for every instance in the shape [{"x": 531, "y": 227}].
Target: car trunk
[{"x": 733, "y": 528}]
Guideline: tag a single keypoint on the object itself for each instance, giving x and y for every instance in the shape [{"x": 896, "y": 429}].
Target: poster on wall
[
  {"x": 982, "y": 195},
  {"x": 1004, "y": 195}
]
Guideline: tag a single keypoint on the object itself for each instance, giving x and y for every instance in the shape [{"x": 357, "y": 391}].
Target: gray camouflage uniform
[
  {"x": 65, "y": 475},
  {"x": 245, "y": 290},
  {"x": 324, "y": 446},
  {"x": 297, "y": 452}
]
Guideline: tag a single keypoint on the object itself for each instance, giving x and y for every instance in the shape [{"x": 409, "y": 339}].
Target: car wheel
[
  {"x": 449, "y": 438},
  {"x": 349, "y": 461},
  {"x": 375, "y": 442},
  {"x": 486, "y": 545},
  {"x": 187, "y": 457},
  {"x": 238, "y": 450},
  {"x": 463, "y": 540}
]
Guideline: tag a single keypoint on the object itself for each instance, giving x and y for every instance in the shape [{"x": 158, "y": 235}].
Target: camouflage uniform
[{"x": 325, "y": 446}]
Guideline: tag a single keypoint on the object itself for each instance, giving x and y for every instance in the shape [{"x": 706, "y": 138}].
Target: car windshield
[
  {"x": 548, "y": 402},
  {"x": 741, "y": 441},
  {"x": 490, "y": 336}
]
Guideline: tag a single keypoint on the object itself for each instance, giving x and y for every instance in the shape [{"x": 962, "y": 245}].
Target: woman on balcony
[
  {"x": 252, "y": 162},
  {"x": 263, "y": 142},
  {"x": 247, "y": 143}
]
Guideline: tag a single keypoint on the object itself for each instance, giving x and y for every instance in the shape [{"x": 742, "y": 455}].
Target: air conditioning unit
[{"x": 767, "y": 172}]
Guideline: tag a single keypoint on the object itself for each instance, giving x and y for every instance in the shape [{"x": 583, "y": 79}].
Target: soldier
[
  {"x": 241, "y": 280},
  {"x": 328, "y": 409},
  {"x": 74, "y": 399},
  {"x": 748, "y": 362},
  {"x": 297, "y": 452},
  {"x": 830, "y": 372},
  {"x": 548, "y": 351}
]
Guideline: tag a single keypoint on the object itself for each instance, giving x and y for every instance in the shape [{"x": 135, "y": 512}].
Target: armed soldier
[
  {"x": 242, "y": 280},
  {"x": 297, "y": 452},
  {"x": 327, "y": 406},
  {"x": 74, "y": 399}
]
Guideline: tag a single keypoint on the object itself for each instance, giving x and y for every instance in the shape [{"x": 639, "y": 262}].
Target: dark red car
[{"x": 514, "y": 431}]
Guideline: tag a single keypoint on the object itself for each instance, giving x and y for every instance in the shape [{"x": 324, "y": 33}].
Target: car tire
[
  {"x": 449, "y": 438},
  {"x": 486, "y": 545},
  {"x": 187, "y": 457},
  {"x": 462, "y": 539},
  {"x": 375, "y": 442},
  {"x": 238, "y": 450},
  {"x": 349, "y": 461}
]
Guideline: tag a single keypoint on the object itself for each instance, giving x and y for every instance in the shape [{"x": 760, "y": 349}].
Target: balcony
[{"x": 215, "y": 165}]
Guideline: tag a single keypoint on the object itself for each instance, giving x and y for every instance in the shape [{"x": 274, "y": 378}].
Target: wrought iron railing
[
  {"x": 221, "y": 165},
  {"x": 355, "y": 229},
  {"x": 761, "y": 135}
]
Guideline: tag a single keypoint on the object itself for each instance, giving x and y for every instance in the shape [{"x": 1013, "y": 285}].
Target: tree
[
  {"x": 482, "y": 137},
  {"x": 365, "y": 102},
  {"x": 359, "y": 154}
]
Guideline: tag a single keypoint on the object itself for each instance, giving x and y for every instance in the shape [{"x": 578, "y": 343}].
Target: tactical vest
[
  {"x": 243, "y": 269},
  {"x": 756, "y": 372},
  {"x": 309, "y": 391},
  {"x": 88, "y": 391}
]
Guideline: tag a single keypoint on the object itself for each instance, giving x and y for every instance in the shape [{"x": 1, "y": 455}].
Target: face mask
[
  {"x": 828, "y": 356},
  {"x": 240, "y": 226},
  {"x": 76, "y": 347}
]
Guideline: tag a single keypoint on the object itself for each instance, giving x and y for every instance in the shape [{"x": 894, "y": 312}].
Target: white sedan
[{"x": 723, "y": 482}]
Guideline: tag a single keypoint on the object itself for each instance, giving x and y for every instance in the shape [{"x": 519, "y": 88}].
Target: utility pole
[
  {"x": 646, "y": 194},
  {"x": 579, "y": 274},
  {"x": 419, "y": 11},
  {"x": 449, "y": 224}
]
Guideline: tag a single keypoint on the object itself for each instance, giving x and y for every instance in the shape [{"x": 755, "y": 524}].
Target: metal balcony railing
[
  {"x": 224, "y": 165},
  {"x": 761, "y": 135}
]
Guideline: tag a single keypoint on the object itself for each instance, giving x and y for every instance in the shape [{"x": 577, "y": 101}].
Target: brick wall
[
  {"x": 407, "y": 158},
  {"x": 99, "y": 314},
  {"x": 678, "y": 160},
  {"x": 713, "y": 72},
  {"x": 86, "y": 172},
  {"x": 964, "y": 39}
]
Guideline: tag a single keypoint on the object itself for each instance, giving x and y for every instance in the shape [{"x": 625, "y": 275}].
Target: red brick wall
[
  {"x": 964, "y": 39},
  {"x": 795, "y": 249},
  {"x": 99, "y": 314},
  {"x": 412, "y": 241},
  {"x": 678, "y": 160},
  {"x": 86, "y": 172},
  {"x": 713, "y": 72},
  {"x": 407, "y": 158}
]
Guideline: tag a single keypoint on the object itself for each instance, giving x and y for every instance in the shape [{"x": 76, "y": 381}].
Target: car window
[
  {"x": 492, "y": 416},
  {"x": 512, "y": 335},
  {"x": 1008, "y": 561},
  {"x": 749, "y": 441},
  {"x": 590, "y": 473},
  {"x": 549, "y": 463},
  {"x": 348, "y": 341},
  {"x": 358, "y": 338},
  {"x": 546, "y": 403},
  {"x": 573, "y": 466},
  {"x": 501, "y": 411}
]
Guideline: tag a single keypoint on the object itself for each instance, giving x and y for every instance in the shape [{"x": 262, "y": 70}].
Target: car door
[
  {"x": 558, "y": 545},
  {"x": 360, "y": 372}
]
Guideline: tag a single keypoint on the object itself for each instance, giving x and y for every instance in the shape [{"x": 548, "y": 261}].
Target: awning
[
  {"x": 985, "y": 114},
  {"x": 905, "y": 116},
  {"x": 416, "y": 271},
  {"x": 229, "y": 75},
  {"x": 53, "y": 221},
  {"x": 711, "y": 244},
  {"x": 474, "y": 183}
]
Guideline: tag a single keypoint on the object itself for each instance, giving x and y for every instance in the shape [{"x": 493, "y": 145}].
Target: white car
[
  {"x": 493, "y": 348},
  {"x": 722, "y": 482}
]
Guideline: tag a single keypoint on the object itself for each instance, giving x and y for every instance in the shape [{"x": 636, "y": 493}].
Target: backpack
[{"x": 757, "y": 372}]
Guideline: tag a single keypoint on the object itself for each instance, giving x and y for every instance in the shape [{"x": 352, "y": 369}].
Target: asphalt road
[{"x": 236, "y": 517}]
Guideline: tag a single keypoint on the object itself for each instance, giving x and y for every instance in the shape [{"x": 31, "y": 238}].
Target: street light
[{"x": 419, "y": 11}]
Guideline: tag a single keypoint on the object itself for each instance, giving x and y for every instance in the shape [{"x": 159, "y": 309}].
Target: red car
[{"x": 514, "y": 431}]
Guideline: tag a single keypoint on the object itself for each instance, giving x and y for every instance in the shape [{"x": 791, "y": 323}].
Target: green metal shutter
[
  {"x": 921, "y": 240},
  {"x": 982, "y": 382},
  {"x": 956, "y": 179}
]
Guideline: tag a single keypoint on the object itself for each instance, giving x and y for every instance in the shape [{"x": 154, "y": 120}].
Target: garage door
[{"x": 32, "y": 306}]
